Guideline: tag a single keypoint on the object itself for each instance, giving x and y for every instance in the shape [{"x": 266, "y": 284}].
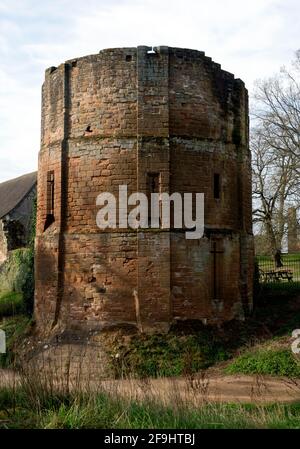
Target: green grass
[
  {"x": 290, "y": 261},
  {"x": 285, "y": 258},
  {"x": 11, "y": 303},
  {"x": 15, "y": 328},
  {"x": 190, "y": 347},
  {"x": 174, "y": 354},
  {"x": 101, "y": 411},
  {"x": 266, "y": 362},
  {"x": 17, "y": 275}
]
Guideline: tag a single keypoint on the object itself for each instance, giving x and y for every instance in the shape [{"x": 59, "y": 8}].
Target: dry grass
[{"x": 57, "y": 395}]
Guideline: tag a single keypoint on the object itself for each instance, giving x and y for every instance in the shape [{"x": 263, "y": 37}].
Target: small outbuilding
[{"x": 16, "y": 209}]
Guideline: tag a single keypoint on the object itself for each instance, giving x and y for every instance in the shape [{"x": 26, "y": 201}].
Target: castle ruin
[{"x": 157, "y": 120}]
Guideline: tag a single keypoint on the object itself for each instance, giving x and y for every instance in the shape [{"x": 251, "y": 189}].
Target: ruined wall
[
  {"x": 3, "y": 243},
  {"x": 21, "y": 217},
  {"x": 23, "y": 211},
  {"x": 111, "y": 119},
  {"x": 15, "y": 227}
]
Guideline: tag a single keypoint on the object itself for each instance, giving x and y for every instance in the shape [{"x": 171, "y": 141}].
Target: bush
[
  {"x": 13, "y": 270},
  {"x": 268, "y": 362},
  {"x": 166, "y": 355},
  {"x": 11, "y": 303},
  {"x": 28, "y": 283},
  {"x": 17, "y": 272},
  {"x": 17, "y": 276},
  {"x": 15, "y": 329}
]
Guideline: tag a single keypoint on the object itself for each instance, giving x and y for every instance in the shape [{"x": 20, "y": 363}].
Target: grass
[
  {"x": 183, "y": 351},
  {"x": 278, "y": 313},
  {"x": 290, "y": 261},
  {"x": 174, "y": 354},
  {"x": 15, "y": 329},
  {"x": 285, "y": 258},
  {"x": 11, "y": 303},
  {"x": 188, "y": 347},
  {"x": 191, "y": 347},
  {"x": 271, "y": 362},
  {"x": 102, "y": 411}
]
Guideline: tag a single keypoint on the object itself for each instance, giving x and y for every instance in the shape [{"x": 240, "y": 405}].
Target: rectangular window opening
[
  {"x": 153, "y": 186},
  {"x": 217, "y": 186},
  {"x": 50, "y": 200}
]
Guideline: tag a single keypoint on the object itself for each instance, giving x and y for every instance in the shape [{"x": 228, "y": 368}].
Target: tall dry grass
[{"x": 59, "y": 393}]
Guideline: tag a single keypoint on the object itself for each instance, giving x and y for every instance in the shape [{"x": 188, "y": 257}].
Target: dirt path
[{"x": 215, "y": 388}]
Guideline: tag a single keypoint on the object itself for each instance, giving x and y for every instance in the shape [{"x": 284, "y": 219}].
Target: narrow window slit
[
  {"x": 50, "y": 200},
  {"x": 217, "y": 186},
  {"x": 153, "y": 186}
]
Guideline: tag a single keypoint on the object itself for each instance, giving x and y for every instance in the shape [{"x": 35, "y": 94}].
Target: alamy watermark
[{"x": 152, "y": 211}]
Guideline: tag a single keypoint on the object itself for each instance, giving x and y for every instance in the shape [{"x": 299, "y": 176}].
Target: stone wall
[
  {"x": 15, "y": 227},
  {"x": 3, "y": 243},
  {"x": 113, "y": 119}
]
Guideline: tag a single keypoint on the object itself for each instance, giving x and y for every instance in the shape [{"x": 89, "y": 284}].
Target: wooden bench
[{"x": 276, "y": 275}]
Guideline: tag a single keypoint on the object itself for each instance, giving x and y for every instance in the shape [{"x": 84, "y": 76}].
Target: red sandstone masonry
[{"x": 110, "y": 119}]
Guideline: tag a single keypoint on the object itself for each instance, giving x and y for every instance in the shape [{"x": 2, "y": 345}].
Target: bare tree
[
  {"x": 274, "y": 187},
  {"x": 277, "y": 110},
  {"x": 275, "y": 146}
]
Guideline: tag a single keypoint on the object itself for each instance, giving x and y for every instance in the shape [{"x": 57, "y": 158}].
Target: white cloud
[{"x": 250, "y": 39}]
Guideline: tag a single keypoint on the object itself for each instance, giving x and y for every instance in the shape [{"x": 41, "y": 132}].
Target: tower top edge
[{"x": 146, "y": 49}]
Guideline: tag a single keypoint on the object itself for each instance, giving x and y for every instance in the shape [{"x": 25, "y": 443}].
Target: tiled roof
[{"x": 12, "y": 192}]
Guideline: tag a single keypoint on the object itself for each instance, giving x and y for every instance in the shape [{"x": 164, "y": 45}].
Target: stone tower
[{"x": 127, "y": 116}]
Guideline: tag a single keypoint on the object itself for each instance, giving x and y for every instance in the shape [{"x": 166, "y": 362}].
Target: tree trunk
[{"x": 276, "y": 252}]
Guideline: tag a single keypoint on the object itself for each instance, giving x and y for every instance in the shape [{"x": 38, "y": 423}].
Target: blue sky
[{"x": 250, "y": 38}]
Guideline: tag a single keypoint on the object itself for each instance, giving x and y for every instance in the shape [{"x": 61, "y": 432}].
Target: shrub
[
  {"x": 27, "y": 284},
  {"x": 11, "y": 303},
  {"x": 166, "y": 355},
  {"x": 28, "y": 281},
  {"x": 15, "y": 328},
  {"x": 17, "y": 272},
  {"x": 268, "y": 362},
  {"x": 17, "y": 275}
]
